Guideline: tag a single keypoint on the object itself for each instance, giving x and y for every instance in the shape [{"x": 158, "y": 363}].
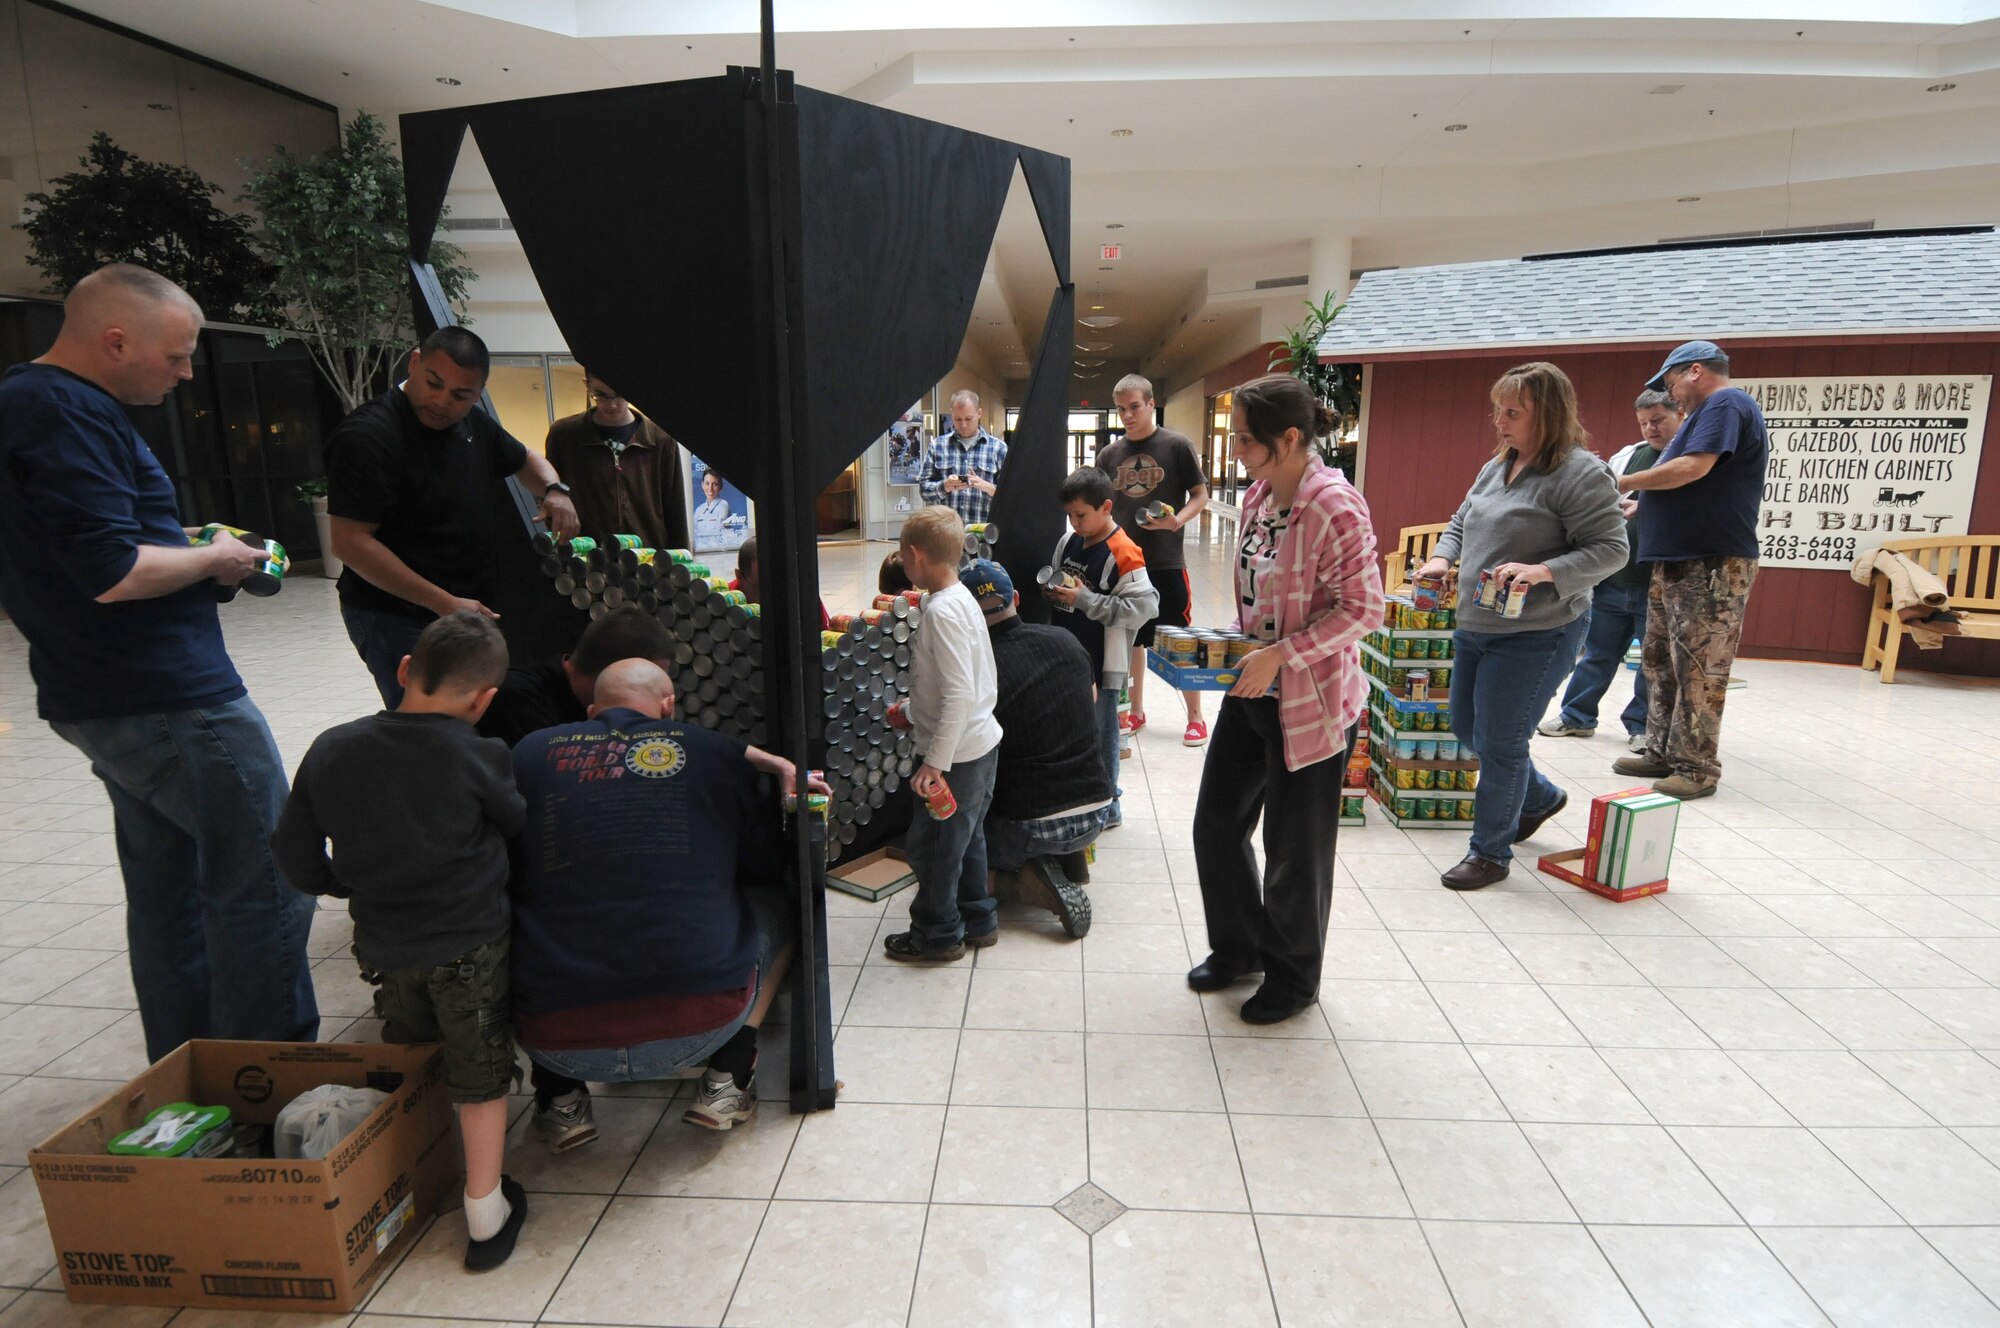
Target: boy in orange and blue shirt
[{"x": 1107, "y": 598}]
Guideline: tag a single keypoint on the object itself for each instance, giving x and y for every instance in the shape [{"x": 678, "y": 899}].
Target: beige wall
[{"x": 1185, "y": 411}]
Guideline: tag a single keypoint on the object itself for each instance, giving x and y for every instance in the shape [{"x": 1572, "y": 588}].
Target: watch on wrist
[{"x": 557, "y": 487}]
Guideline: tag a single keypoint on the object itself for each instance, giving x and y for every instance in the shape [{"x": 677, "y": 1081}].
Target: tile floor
[{"x": 1771, "y": 1096}]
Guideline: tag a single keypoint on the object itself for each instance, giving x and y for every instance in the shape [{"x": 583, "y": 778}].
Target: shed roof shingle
[{"x": 1910, "y": 283}]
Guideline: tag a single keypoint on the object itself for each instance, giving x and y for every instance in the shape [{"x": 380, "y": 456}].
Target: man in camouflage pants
[{"x": 1698, "y": 527}]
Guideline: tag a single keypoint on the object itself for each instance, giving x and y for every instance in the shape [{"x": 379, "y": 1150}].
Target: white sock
[{"x": 484, "y": 1217}]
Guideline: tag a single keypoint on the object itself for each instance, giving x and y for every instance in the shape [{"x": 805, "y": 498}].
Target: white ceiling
[{"x": 1257, "y": 126}]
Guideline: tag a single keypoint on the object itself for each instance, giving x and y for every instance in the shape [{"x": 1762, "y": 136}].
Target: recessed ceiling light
[
  {"x": 448, "y": 82},
  {"x": 1453, "y": 129},
  {"x": 1093, "y": 345},
  {"x": 1114, "y": 226},
  {"x": 1940, "y": 87},
  {"x": 1101, "y": 321},
  {"x": 1688, "y": 198},
  {"x": 1096, "y": 308},
  {"x": 1121, "y": 133},
  {"x": 1666, "y": 89},
  {"x": 1090, "y": 364}
]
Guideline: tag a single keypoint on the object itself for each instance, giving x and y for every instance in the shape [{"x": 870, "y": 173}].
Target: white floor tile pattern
[{"x": 1771, "y": 1096}]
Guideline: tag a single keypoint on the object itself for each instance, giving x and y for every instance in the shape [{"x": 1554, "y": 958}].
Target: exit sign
[{"x": 1109, "y": 253}]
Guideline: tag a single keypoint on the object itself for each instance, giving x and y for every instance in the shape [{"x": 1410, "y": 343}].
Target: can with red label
[
  {"x": 898, "y": 715},
  {"x": 1489, "y": 591},
  {"x": 941, "y": 805},
  {"x": 1420, "y": 684}
]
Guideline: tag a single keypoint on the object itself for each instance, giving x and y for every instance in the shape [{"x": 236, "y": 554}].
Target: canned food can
[
  {"x": 1406, "y": 809},
  {"x": 1427, "y": 591},
  {"x": 874, "y": 617},
  {"x": 1424, "y": 778},
  {"x": 1406, "y": 749},
  {"x": 1237, "y": 651},
  {"x": 268, "y": 577},
  {"x": 941, "y": 804},
  {"x": 628, "y": 541},
  {"x": 1427, "y": 750},
  {"x": 886, "y": 601},
  {"x": 1215, "y": 652},
  {"x": 682, "y": 556},
  {"x": 1444, "y": 620},
  {"x": 1426, "y": 721},
  {"x": 1517, "y": 600},
  {"x": 1406, "y": 777},
  {"x": 1399, "y": 647},
  {"x": 1350, "y": 808},
  {"x": 582, "y": 546},
  {"x": 899, "y": 715},
  {"x": 830, "y": 640},
  {"x": 700, "y": 571},
  {"x": 840, "y": 622},
  {"x": 1156, "y": 512},
  {"x": 1447, "y": 749},
  {"x": 1467, "y": 809},
  {"x": 1468, "y": 780},
  {"x": 1419, "y": 681}
]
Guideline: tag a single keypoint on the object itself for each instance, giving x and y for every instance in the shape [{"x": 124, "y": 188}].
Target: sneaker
[
  {"x": 1196, "y": 735},
  {"x": 1642, "y": 765},
  {"x": 991, "y": 938},
  {"x": 1680, "y": 786},
  {"x": 1636, "y": 743},
  {"x": 1555, "y": 728},
  {"x": 720, "y": 1104},
  {"x": 566, "y": 1123}
]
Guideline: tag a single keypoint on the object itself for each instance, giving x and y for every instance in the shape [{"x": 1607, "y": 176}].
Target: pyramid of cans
[{"x": 717, "y": 663}]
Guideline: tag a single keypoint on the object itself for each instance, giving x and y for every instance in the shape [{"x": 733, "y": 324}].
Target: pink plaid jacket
[{"x": 1325, "y": 592}]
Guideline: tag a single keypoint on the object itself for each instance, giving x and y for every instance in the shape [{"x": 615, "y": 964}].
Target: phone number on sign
[{"x": 1818, "y": 549}]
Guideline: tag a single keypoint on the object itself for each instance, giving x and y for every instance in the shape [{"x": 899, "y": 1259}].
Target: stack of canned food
[{"x": 717, "y": 662}]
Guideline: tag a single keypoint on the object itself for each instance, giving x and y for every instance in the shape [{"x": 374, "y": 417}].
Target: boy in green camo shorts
[{"x": 419, "y": 808}]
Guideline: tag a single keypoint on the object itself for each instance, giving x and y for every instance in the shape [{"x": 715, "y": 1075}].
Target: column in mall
[{"x": 1332, "y": 260}]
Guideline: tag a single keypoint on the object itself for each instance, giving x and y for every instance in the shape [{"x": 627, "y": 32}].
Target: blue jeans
[
  {"x": 1617, "y": 615},
  {"x": 217, "y": 938},
  {"x": 382, "y": 639},
  {"x": 949, "y": 859},
  {"x": 1501, "y": 684},
  {"x": 1107, "y": 742},
  {"x": 1009, "y": 844},
  {"x": 775, "y": 911}
]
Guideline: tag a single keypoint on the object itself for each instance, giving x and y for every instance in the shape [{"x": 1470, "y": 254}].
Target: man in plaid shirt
[{"x": 965, "y": 464}]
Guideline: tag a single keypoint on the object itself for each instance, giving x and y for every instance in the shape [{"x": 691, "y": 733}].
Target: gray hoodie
[{"x": 1567, "y": 519}]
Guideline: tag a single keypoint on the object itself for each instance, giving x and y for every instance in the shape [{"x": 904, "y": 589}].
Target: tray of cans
[
  {"x": 1410, "y": 693},
  {"x": 1198, "y": 659},
  {"x": 1352, "y": 800},
  {"x": 1430, "y": 810}
]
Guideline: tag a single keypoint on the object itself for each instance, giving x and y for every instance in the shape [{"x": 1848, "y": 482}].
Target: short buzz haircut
[
  {"x": 1134, "y": 383},
  {"x": 1087, "y": 484},
  {"x": 463, "y": 649},
  {"x": 461, "y": 347},
  {"x": 965, "y": 394},
  {"x": 936, "y": 532},
  {"x": 135, "y": 281},
  {"x": 621, "y": 634},
  {"x": 746, "y": 555},
  {"x": 1649, "y": 399}
]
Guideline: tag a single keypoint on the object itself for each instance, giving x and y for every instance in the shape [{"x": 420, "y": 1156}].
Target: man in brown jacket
[{"x": 624, "y": 471}]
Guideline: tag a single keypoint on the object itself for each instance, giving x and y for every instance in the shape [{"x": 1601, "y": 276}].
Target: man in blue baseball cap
[
  {"x": 1698, "y": 527},
  {"x": 1051, "y": 794}
]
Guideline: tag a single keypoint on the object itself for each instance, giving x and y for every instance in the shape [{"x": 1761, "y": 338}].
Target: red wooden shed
[{"x": 1862, "y": 310}]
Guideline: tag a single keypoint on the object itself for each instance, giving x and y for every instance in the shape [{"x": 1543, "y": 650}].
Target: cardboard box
[
  {"x": 1593, "y": 841},
  {"x": 1638, "y": 841},
  {"x": 873, "y": 877},
  {"x": 250, "y": 1233},
  {"x": 1563, "y": 866}
]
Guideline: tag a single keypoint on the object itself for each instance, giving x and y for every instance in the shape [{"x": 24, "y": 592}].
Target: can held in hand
[
  {"x": 1517, "y": 599},
  {"x": 1156, "y": 512},
  {"x": 898, "y": 715},
  {"x": 940, "y": 804},
  {"x": 1489, "y": 591},
  {"x": 268, "y": 576},
  {"x": 1427, "y": 592}
]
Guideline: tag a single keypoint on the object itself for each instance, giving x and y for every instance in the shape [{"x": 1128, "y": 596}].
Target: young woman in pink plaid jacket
[{"x": 1308, "y": 586}]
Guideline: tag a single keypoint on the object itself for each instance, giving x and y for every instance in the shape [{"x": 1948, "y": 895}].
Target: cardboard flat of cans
[{"x": 250, "y": 1233}]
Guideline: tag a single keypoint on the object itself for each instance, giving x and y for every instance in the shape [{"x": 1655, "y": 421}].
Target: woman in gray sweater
[{"x": 1543, "y": 514}]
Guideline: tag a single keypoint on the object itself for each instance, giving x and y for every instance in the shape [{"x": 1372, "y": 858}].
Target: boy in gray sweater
[{"x": 419, "y": 808}]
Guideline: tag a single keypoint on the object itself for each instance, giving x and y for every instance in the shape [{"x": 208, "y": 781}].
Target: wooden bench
[
  {"x": 1413, "y": 550},
  {"x": 1969, "y": 566}
]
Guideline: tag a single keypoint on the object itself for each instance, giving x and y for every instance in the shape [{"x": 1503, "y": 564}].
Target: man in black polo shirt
[
  {"x": 405, "y": 474},
  {"x": 561, "y": 691},
  {"x": 1051, "y": 794}
]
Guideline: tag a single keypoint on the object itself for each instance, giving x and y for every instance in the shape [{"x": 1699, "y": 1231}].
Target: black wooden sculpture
[{"x": 777, "y": 275}]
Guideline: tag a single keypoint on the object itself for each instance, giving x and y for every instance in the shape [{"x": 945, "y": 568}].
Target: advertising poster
[
  {"x": 1859, "y": 461},
  {"x": 721, "y": 512},
  {"x": 909, "y": 447}
]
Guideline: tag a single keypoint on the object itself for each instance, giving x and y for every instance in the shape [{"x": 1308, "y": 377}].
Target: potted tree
[
  {"x": 335, "y": 231},
  {"x": 121, "y": 209},
  {"x": 313, "y": 494},
  {"x": 1336, "y": 385}
]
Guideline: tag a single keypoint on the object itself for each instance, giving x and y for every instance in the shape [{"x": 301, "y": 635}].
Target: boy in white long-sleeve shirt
[{"x": 952, "y": 694}]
